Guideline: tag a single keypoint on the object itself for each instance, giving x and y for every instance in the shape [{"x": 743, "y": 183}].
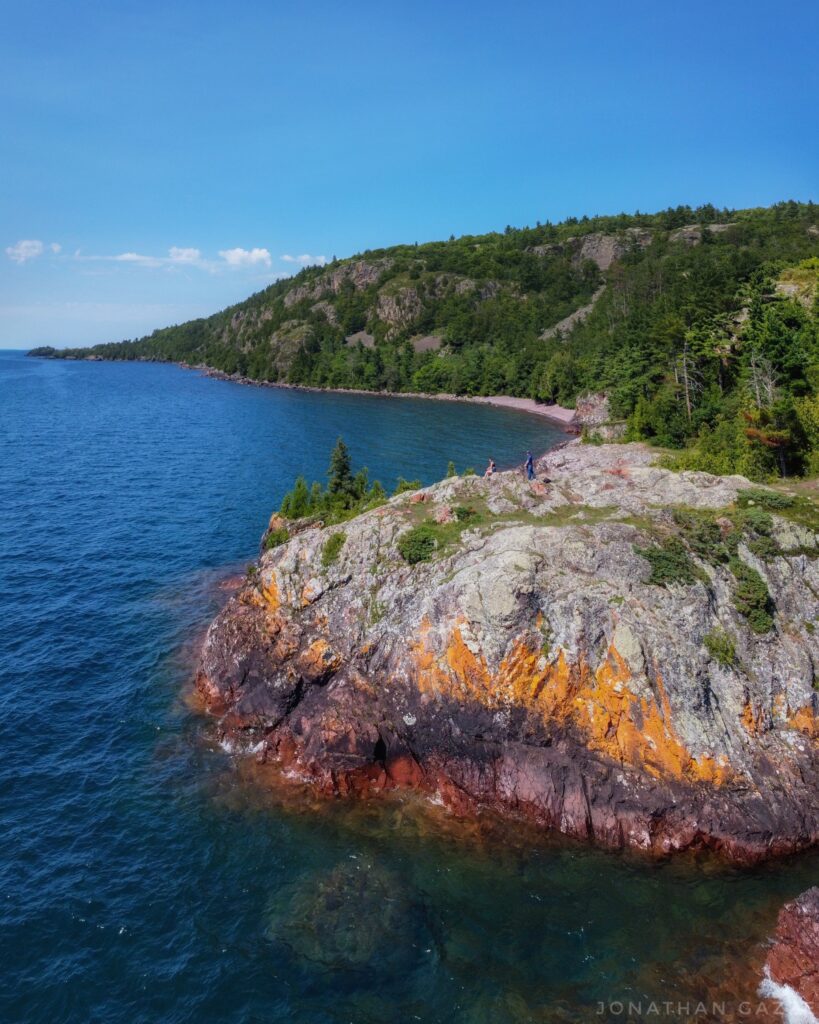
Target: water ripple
[{"x": 143, "y": 877}]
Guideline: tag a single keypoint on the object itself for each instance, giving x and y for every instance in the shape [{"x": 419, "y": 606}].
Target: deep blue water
[{"x": 147, "y": 875}]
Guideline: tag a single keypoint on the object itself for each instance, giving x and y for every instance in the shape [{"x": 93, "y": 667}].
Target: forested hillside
[{"x": 701, "y": 324}]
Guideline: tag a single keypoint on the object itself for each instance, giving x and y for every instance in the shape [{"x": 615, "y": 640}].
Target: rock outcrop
[
  {"x": 598, "y": 247},
  {"x": 359, "y": 274},
  {"x": 592, "y": 415},
  {"x": 617, "y": 651},
  {"x": 564, "y": 326},
  {"x": 794, "y": 957}
]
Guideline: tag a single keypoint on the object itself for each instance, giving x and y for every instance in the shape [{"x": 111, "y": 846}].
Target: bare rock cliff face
[{"x": 546, "y": 662}]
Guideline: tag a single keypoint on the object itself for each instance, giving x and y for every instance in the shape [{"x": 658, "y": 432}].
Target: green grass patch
[
  {"x": 275, "y": 538},
  {"x": 751, "y": 597},
  {"x": 671, "y": 563},
  {"x": 721, "y": 647},
  {"x": 332, "y": 548},
  {"x": 701, "y": 534},
  {"x": 774, "y": 500},
  {"x": 798, "y": 508}
]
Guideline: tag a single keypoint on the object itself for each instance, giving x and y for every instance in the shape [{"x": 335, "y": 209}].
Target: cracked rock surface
[{"x": 532, "y": 665}]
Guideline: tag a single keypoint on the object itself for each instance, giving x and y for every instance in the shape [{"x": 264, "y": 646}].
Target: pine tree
[
  {"x": 361, "y": 483},
  {"x": 340, "y": 473},
  {"x": 377, "y": 493},
  {"x": 299, "y": 499}
]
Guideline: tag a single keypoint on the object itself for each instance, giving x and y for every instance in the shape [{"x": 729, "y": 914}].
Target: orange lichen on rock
[
  {"x": 311, "y": 590},
  {"x": 318, "y": 660},
  {"x": 753, "y": 719},
  {"x": 640, "y": 731},
  {"x": 601, "y": 704},
  {"x": 804, "y": 719},
  {"x": 271, "y": 595}
]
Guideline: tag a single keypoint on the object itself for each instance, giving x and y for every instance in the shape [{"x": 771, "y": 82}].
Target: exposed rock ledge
[
  {"x": 532, "y": 667},
  {"x": 794, "y": 957}
]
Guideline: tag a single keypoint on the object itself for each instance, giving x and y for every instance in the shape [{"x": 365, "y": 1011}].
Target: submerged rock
[
  {"x": 355, "y": 917},
  {"x": 614, "y": 650}
]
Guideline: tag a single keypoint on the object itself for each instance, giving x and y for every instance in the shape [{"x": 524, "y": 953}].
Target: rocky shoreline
[
  {"x": 593, "y": 412},
  {"x": 557, "y": 414},
  {"x": 537, "y": 665}
]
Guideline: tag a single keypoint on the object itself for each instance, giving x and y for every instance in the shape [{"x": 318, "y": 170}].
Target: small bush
[
  {"x": 451, "y": 470},
  {"x": 418, "y": 544},
  {"x": 767, "y": 499},
  {"x": 275, "y": 538},
  {"x": 332, "y": 548},
  {"x": 702, "y": 534},
  {"x": 751, "y": 597},
  {"x": 406, "y": 485},
  {"x": 765, "y": 548},
  {"x": 465, "y": 513},
  {"x": 671, "y": 563},
  {"x": 721, "y": 647},
  {"x": 591, "y": 437},
  {"x": 758, "y": 519}
]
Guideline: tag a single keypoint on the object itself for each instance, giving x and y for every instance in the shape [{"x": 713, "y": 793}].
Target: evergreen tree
[
  {"x": 340, "y": 474},
  {"x": 299, "y": 499},
  {"x": 377, "y": 493}
]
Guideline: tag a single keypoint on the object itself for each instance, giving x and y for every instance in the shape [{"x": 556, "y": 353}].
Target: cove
[{"x": 146, "y": 873}]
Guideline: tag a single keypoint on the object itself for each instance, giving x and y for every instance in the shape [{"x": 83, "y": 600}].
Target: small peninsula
[{"x": 615, "y": 650}]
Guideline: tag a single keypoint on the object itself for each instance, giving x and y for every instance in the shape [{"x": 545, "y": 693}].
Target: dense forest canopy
[{"x": 700, "y": 324}]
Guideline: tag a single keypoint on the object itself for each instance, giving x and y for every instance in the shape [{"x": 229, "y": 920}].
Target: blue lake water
[{"x": 146, "y": 875}]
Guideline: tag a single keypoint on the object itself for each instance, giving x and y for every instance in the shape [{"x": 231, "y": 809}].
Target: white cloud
[
  {"x": 245, "y": 257},
  {"x": 133, "y": 257},
  {"x": 26, "y": 249},
  {"x": 182, "y": 256},
  {"x": 55, "y": 247},
  {"x": 305, "y": 259},
  {"x": 177, "y": 255}
]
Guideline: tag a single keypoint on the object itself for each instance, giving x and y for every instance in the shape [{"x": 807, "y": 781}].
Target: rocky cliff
[{"x": 617, "y": 651}]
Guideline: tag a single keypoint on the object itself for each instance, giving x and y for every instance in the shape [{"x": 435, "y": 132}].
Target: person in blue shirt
[{"x": 530, "y": 466}]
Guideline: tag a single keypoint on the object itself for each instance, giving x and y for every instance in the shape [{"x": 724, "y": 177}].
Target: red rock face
[
  {"x": 794, "y": 958},
  {"x": 357, "y": 722},
  {"x": 533, "y": 667}
]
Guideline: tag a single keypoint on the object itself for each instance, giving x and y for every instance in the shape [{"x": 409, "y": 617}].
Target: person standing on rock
[
  {"x": 490, "y": 469},
  {"x": 530, "y": 466}
]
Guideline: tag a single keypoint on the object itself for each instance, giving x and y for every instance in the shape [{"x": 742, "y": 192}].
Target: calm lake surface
[{"x": 146, "y": 875}]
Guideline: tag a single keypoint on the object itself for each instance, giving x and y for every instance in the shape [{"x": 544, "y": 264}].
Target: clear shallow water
[{"x": 146, "y": 875}]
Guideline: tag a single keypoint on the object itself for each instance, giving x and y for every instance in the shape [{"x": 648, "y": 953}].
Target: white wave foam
[
  {"x": 794, "y": 1007},
  {"x": 238, "y": 747}
]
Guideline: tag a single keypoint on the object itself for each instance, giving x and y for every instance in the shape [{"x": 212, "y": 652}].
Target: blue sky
[{"x": 159, "y": 161}]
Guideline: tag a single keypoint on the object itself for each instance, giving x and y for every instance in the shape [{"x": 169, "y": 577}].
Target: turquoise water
[{"x": 148, "y": 875}]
